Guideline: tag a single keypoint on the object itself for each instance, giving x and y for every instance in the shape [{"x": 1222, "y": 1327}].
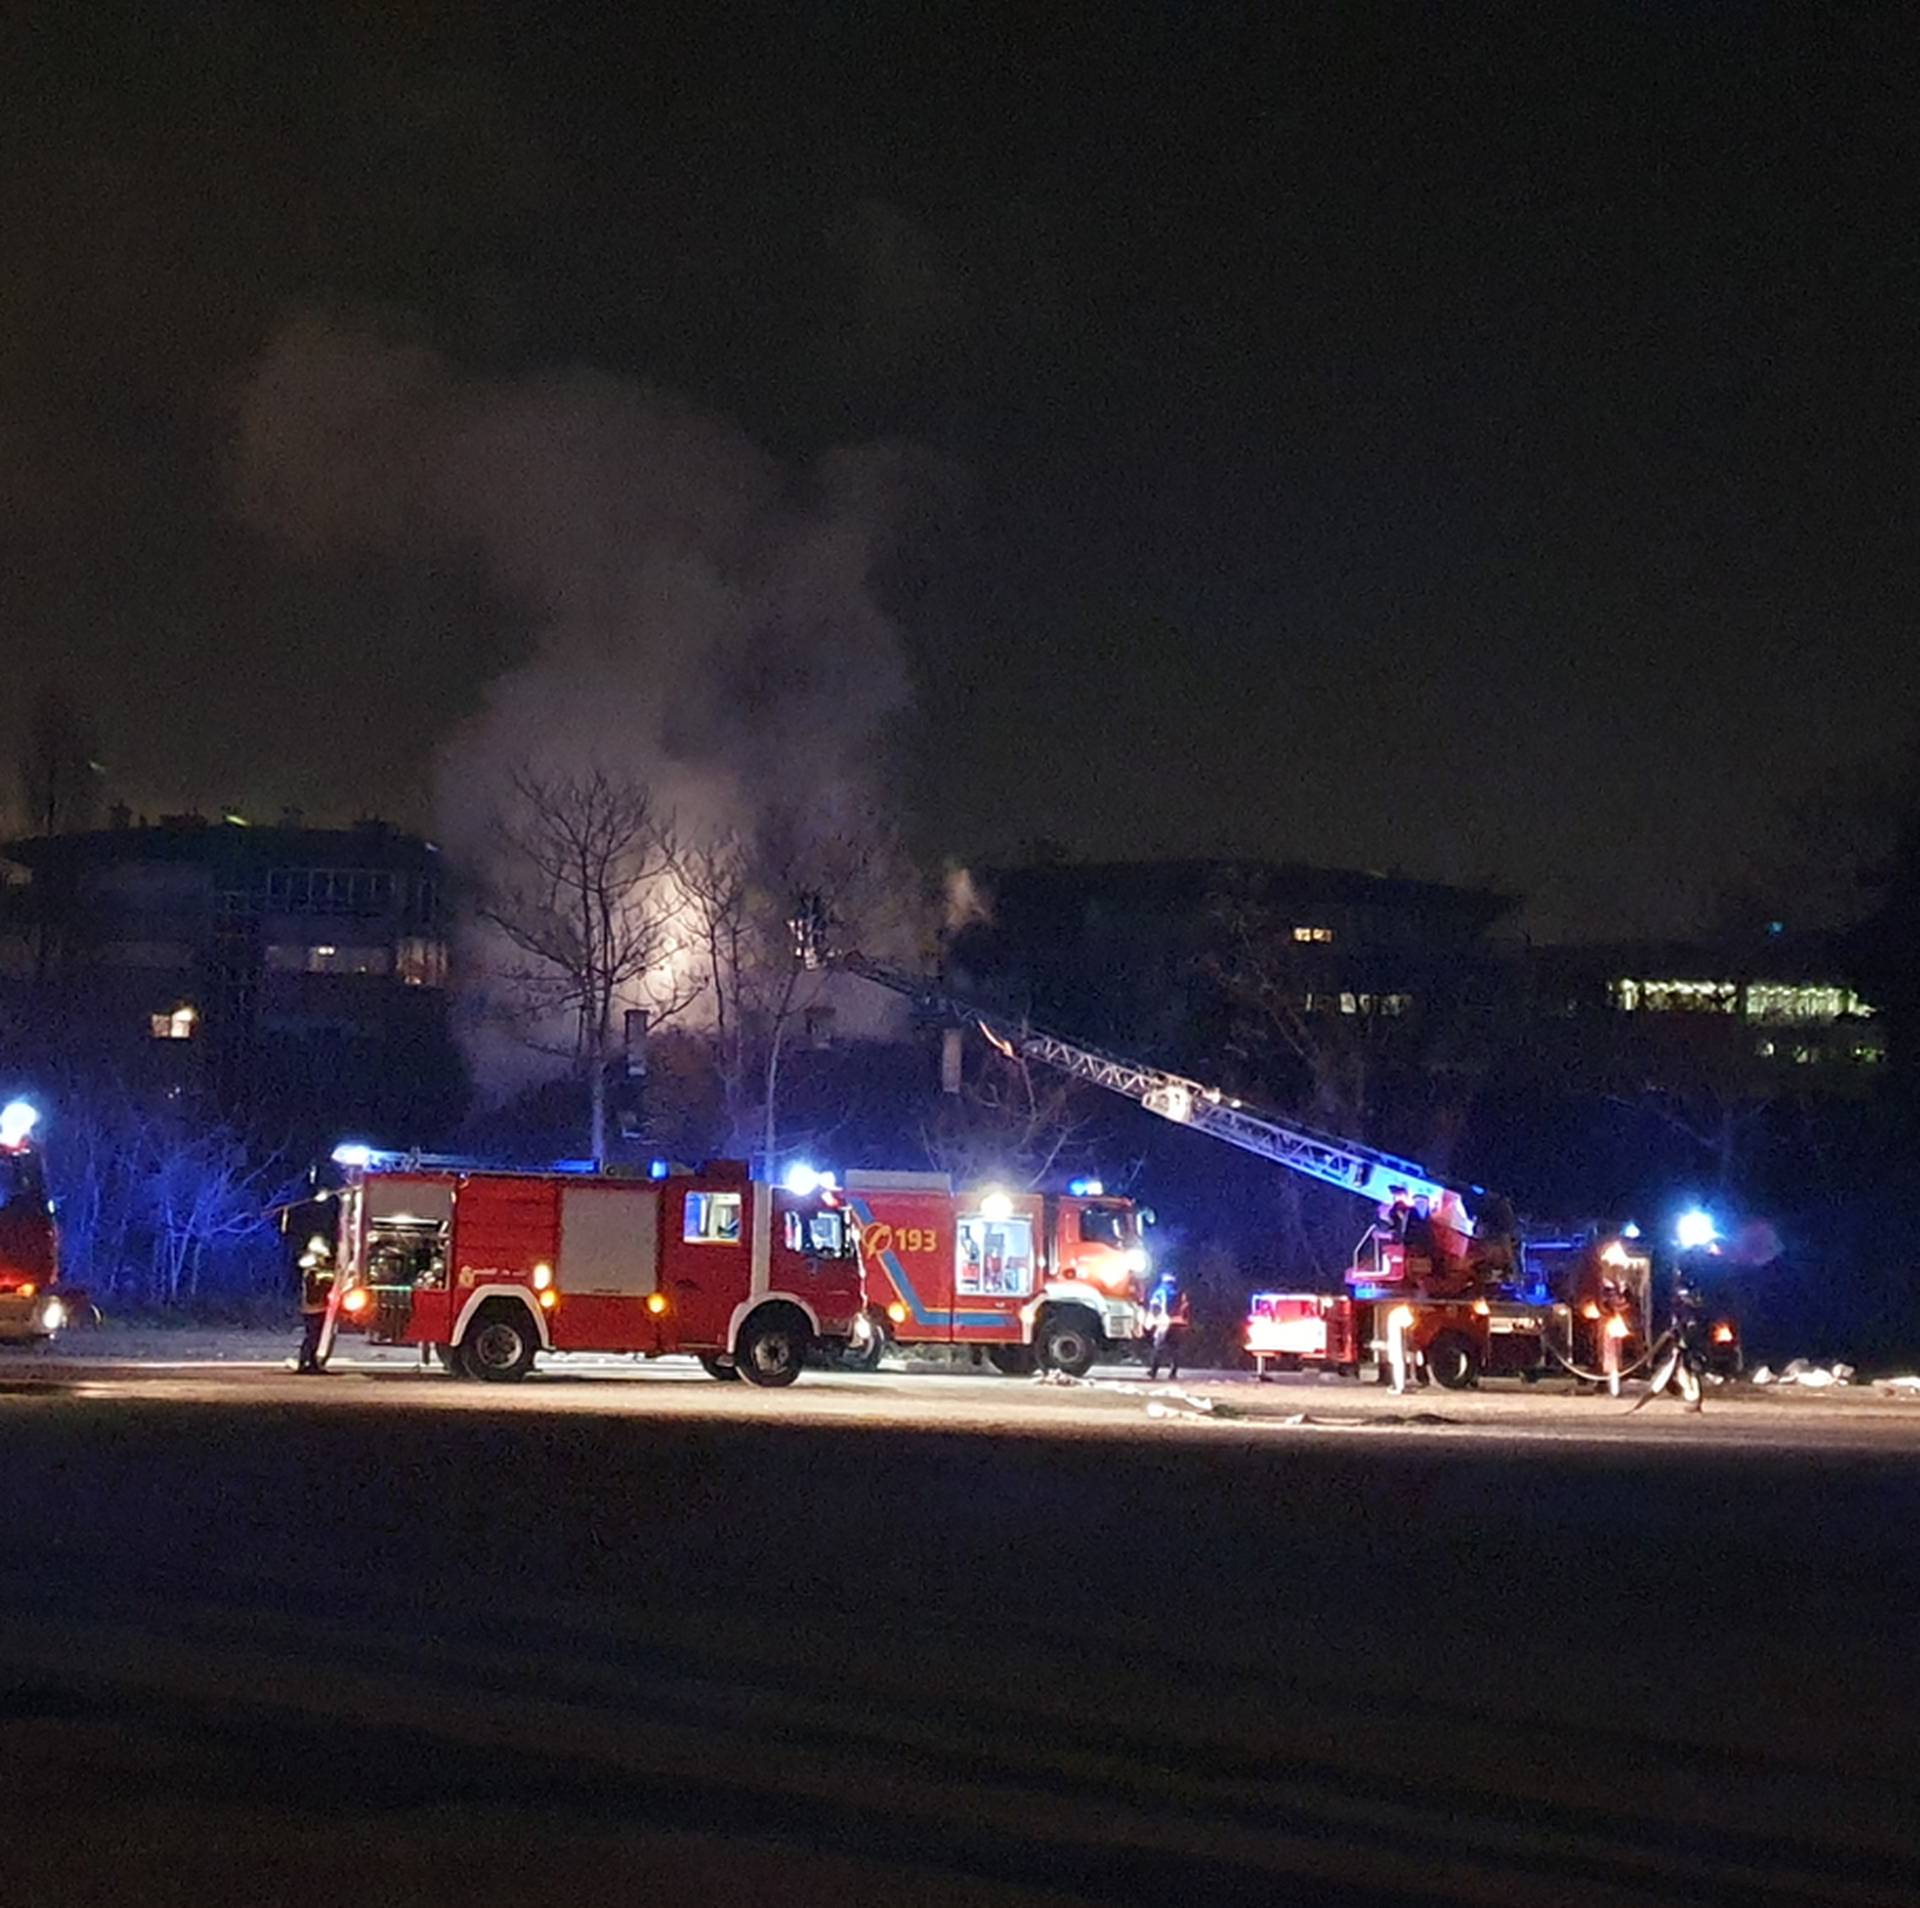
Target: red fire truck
[
  {"x": 30, "y": 1306},
  {"x": 490, "y": 1268},
  {"x": 1047, "y": 1279},
  {"x": 1459, "y": 1307},
  {"x": 1453, "y": 1326}
]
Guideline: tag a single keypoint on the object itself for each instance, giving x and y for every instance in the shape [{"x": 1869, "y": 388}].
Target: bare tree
[
  {"x": 576, "y": 886},
  {"x": 1401, "y": 1060},
  {"x": 156, "y": 1205},
  {"x": 742, "y": 899},
  {"x": 205, "y": 1195},
  {"x": 1006, "y": 1124},
  {"x": 59, "y": 772}
]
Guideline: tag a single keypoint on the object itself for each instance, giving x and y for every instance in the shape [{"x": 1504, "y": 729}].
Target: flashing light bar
[
  {"x": 17, "y": 1119},
  {"x": 1694, "y": 1230},
  {"x": 1085, "y": 1188},
  {"x": 802, "y": 1180},
  {"x": 356, "y": 1155}
]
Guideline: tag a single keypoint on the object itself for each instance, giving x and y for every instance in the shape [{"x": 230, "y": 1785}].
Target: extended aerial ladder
[
  {"x": 1362, "y": 1170},
  {"x": 1472, "y": 1318}
]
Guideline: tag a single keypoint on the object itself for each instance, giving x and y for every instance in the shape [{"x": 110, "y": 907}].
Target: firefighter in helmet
[{"x": 316, "y": 1293}]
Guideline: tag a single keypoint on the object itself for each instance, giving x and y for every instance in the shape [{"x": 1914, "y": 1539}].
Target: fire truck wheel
[
  {"x": 864, "y": 1352},
  {"x": 1011, "y": 1361},
  {"x": 500, "y": 1344},
  {"x": 1068, "y": 1342},
  {"x": 1454, "y": 1363},
  {"x": 727, "y": 1374},
  {"x": 772, "y": 1346}
]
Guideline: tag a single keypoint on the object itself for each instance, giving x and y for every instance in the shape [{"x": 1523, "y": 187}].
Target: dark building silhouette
[
  {"x": 1155, "y": 958},
  {"x": 1145, "y": 956},
  {"x": 288, "y": 978}
]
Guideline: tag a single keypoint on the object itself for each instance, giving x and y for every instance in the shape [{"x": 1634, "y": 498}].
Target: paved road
[{"x": 922, "y": 1639}]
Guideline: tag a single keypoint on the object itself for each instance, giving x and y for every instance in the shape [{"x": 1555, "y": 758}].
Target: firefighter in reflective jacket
[
  {"x": 316, "y": 1292},
  {"x": 1168, "y": 1324}
]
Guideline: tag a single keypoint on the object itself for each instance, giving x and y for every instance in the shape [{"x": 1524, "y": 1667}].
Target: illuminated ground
[{"x": 922, "y": 1638}]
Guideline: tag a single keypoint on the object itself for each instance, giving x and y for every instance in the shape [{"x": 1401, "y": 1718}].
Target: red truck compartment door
[{"x": 704, "y": 1251}]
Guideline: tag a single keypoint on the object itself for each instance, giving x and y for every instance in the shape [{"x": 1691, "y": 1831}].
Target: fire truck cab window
[
  {"x": 413, "y": 1256},
  {"x": 1104, "y": 1225},
  {"x": 713, "y": 1218},
  {"x": 995, "y": 1257},
  {"x": 821, "y": 1234}
]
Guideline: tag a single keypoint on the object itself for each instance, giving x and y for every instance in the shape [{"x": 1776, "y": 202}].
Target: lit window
[
  {"x": 178, "y": 1025},
  {"x": 1775, "y": 1001},
  {"x": 1319, "y": 934},
  {"x": 1349, "y": 1004},
  {"x": 1676, "y": 996},
  {"x": 423, "y": 962},
  {"x": 713, "y": 1218}
]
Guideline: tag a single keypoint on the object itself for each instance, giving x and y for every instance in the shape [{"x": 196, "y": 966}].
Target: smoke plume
[{"x": 700, "y": 613}]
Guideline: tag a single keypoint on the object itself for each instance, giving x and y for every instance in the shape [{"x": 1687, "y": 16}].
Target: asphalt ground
[{"x": 632, "y": 1635}]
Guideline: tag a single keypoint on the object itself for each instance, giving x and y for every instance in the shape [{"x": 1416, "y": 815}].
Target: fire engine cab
[
  {"x": 1035, "y": 1279},
  {"x": 489, "y": 1268},
  {"x": 30, "y": 1308}
]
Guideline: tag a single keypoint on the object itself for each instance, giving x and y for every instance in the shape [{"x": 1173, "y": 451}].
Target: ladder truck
[{"x": 1463, "y": 1308}]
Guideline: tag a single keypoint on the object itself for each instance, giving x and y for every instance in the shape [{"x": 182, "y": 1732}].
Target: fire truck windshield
[{"x": 1107, "y": 1225}]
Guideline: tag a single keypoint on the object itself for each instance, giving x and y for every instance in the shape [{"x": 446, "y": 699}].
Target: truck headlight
[{"x": 53, "y": 1315}]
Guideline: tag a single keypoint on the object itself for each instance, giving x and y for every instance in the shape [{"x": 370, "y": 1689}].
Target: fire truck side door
[{"x": 706, "y": 1260}]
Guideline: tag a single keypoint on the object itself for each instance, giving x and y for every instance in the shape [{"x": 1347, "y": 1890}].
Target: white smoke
[
  {"x": 966, "y": 903},
  {"x": 701, "y": 615}
]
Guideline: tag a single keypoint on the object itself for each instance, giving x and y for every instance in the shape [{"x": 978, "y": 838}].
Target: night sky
[{"x": 1470, "y": 442}]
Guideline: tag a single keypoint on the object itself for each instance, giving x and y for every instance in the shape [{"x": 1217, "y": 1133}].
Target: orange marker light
[
  {"x": 656, "y": 1303},
  {"x": 357, "y": 1300}
]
